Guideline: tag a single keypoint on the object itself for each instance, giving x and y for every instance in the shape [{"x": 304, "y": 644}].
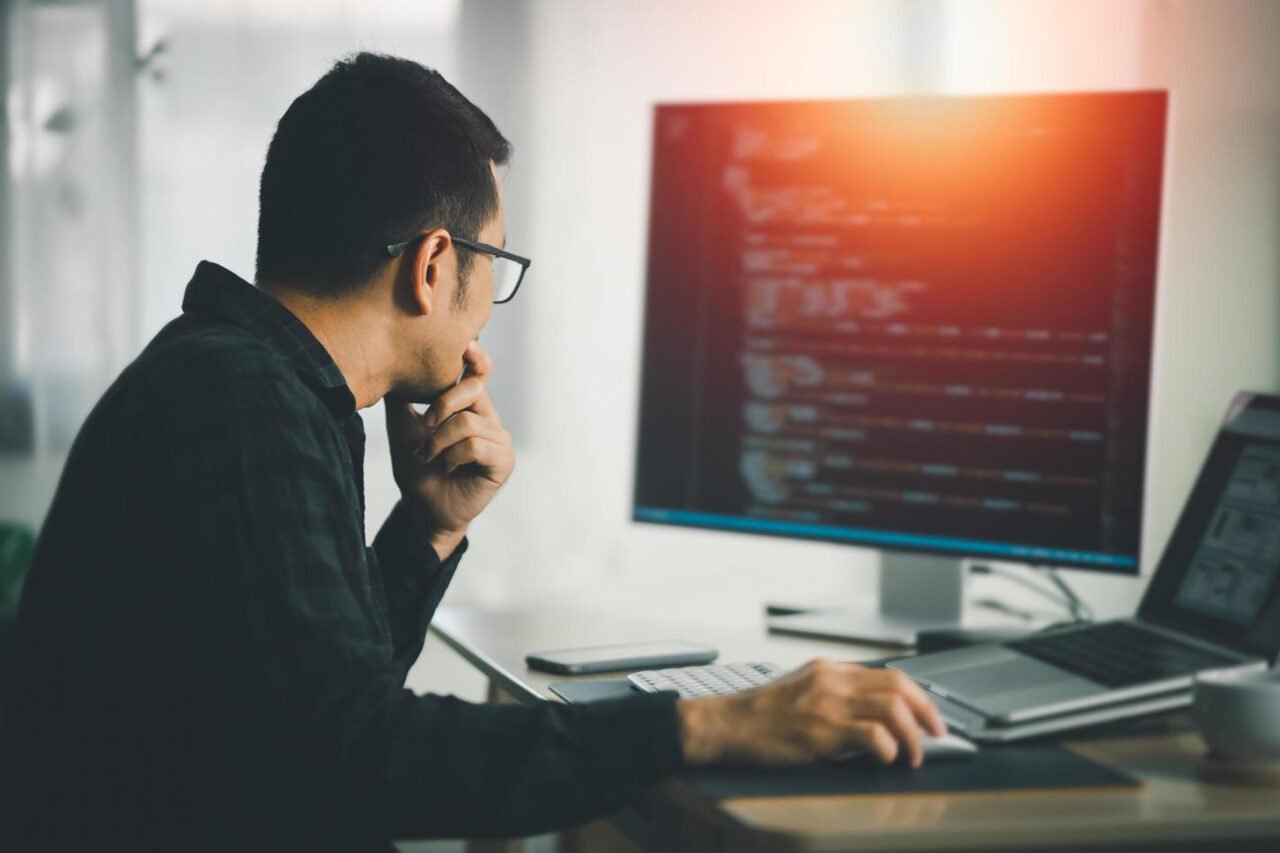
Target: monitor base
[
  {"x": 850, "y": 625},
  {"x": 917, "y": 593}
]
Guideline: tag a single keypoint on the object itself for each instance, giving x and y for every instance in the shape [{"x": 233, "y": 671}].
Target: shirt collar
[{"x": 215, "y": 290}]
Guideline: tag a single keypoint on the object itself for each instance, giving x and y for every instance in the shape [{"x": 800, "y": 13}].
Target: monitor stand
[{"x": 917, "y": 593}]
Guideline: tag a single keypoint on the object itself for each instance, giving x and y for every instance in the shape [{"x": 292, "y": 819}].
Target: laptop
[{"x": 1212, "y": 604}]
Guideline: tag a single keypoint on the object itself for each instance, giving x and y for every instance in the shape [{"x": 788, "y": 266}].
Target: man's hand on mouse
[
  {"x": 451, "y": 461},
  {"x": 824, "y": 709}
]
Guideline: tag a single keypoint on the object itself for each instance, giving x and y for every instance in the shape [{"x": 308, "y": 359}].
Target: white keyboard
[{"x": 714, "y": 680}]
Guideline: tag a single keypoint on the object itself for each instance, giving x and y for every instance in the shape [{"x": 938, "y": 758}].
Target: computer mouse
[{"x": 948, "y": 747}]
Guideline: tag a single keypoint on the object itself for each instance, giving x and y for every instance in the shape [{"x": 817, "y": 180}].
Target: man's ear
[{"x": 425, "y": 269}]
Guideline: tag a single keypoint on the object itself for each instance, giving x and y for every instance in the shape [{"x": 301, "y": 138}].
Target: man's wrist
[
  {"x": 706, "y": 727},
  {"x": 443, "y": 542}
]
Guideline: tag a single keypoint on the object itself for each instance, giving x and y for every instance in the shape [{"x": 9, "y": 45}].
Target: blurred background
[{"x": 134, "y": 133}]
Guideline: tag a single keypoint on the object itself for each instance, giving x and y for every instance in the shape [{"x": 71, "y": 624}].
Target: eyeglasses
[{"x": 508, "y": 269}]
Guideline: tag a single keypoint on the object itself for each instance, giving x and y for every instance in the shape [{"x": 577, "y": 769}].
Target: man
[{"x": 209, "y": 656}]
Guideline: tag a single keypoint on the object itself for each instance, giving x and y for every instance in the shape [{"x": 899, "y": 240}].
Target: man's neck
[{"x": 344, "y": 329}]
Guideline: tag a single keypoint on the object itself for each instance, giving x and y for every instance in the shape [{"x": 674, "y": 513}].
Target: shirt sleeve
[
  {"x": 414, "y": 577},
  {"x": 299, "y": 641}
]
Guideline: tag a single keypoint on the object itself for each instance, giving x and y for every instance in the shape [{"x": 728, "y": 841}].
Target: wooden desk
[{"x": 1175, "y": 808}]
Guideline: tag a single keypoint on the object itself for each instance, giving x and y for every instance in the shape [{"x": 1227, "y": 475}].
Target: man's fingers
[
  {"x": 870, "y": 736},
  {"x": 463, "y": 426},
  {"x": 470, "y": 393},
  {"x": 478, "y": 362},
  {"x": 919, "y": 702},
  {"x": 892, "y": 711},
  {"x": 403, "y": 423},
  {"x": 475, "y": 450}
]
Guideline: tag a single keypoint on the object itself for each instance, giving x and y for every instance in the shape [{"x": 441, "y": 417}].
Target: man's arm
[
  {"x": 448, "y": 464},
  {"x": 292, "y": 637},
  {"x": 415, "y": 579}
]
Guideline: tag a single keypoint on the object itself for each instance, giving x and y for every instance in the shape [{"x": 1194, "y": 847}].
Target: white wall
[{"x": 229, "y": 72}]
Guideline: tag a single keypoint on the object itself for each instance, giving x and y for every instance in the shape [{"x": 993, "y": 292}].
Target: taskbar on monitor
[{"x": 915, "y": 541}]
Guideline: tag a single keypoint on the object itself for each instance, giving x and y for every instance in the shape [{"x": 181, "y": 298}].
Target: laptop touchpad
[
  {"x": 1017, "y": 684},
  {"x": 997, "y": 680},
  {"x": 988, "y": 679}
]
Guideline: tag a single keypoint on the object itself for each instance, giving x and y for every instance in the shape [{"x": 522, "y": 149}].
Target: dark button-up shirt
[{"x": 210, "y": 656}]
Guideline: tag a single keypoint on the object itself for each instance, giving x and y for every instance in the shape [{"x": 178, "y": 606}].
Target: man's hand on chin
[{"x": 451, "y": 461}]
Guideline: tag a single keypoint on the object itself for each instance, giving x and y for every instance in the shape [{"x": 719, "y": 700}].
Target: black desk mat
[{"x": 1039, "y": 766}]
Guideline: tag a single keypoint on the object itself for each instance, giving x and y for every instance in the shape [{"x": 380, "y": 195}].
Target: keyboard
[
  {"x": 713, "y": 680},
  {"x": 1119, "y": 654}
]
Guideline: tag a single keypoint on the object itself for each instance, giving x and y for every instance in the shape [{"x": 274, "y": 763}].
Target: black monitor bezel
[{"x": 958, "y": 553}]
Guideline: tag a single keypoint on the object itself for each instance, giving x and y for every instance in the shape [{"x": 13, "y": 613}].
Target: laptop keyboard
[{"x": 1116, "y": 654}]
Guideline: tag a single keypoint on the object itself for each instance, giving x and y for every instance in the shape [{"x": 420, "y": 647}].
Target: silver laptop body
[
  {"x": 1216, "y": 591},
  {"x": 1004, "y": 686}
]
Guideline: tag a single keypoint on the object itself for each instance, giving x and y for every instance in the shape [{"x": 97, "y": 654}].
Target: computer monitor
[{"x": 922, "y": 325}]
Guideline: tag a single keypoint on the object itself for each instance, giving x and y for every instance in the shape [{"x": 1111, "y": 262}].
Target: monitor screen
[{"x": 920, "y": 324}]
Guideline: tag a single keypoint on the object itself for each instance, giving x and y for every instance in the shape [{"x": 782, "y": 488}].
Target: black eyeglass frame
[{"x": 395, "y": 250}]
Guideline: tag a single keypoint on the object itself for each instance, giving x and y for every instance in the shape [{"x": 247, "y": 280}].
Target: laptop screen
[{"x": 1218, "y": 578}]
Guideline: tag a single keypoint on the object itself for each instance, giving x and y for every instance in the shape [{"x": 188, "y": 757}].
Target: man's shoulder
[
  {"x": 198, "y": 367},
  {"x": 197, "y": 349}
]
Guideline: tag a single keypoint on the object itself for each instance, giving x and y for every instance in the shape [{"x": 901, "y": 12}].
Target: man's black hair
[{"x": 378, "y": 150}]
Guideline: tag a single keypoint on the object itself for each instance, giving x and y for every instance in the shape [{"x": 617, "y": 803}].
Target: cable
[
  {"x": 1061, "y": 595},
  {"x": 1080, "y": 611},
  {"x": 1052, "y": 595},
  {"x": 1005, "y": 608}
]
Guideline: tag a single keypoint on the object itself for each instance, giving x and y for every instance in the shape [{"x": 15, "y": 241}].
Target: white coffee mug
[{"x": 1238, "y": 714}]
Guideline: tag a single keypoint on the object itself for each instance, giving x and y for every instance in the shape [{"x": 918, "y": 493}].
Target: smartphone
[{"x": 621, "y": 657}]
